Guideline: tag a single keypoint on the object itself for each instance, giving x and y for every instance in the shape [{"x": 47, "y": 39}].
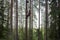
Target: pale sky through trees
[{"x": 42, "y": 14}]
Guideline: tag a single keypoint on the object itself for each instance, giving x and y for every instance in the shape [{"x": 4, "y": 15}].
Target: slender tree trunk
[
  {"x": 11, "y": 20},
  {"x": 39, "y": 23},
  {"x": 17, "y": 38},
  {"x": 26, "y": 33},
  {"x": 11, "y": 15},
  {"x": 30, "y": 27},
  {"x": 46, "y": 11},
  {"x": 31, "y": 21}
]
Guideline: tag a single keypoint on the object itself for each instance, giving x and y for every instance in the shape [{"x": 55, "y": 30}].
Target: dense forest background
[{"x": 16, "y": 25}]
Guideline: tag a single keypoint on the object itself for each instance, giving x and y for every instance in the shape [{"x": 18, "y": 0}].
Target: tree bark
[
  {"x": 31, "y": 21},
  {"x": 39, "y": 36},
  {"x": 46, "y": 12},
  {"x": 17, "y": 38},
  {"x": 26, "y": 37}
]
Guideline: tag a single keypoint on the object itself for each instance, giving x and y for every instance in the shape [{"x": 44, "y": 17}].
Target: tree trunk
[
  {"x": 39, "y": 23},
  {"x": 26, "y": 37},
  {"x": 17, "y": 38},
  {"x": 31, "y": 21},
  {"x": 11, "y": 15},
  {"x": 46, "y": 12}
]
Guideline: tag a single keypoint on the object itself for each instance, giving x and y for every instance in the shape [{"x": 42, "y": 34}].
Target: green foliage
[
  {"x": 54, "y": 24},
  {"x": 3, "y": 28},
  {"x": 21, "y": 34},
  {"x": 35, "y": 34}
]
